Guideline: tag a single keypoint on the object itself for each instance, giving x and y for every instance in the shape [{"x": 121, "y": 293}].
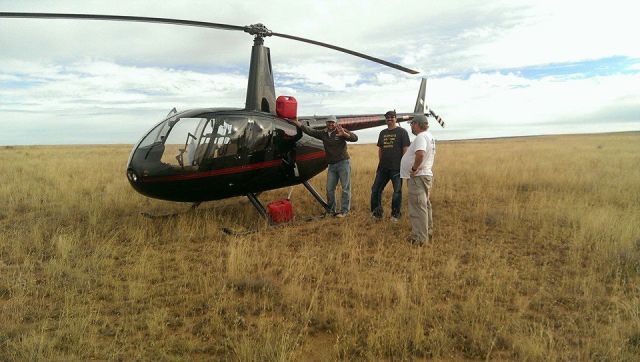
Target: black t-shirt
[{"x": 391, "y": 142}]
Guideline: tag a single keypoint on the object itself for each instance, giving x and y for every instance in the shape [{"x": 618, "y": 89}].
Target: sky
[{"x": 494, "y": 68}]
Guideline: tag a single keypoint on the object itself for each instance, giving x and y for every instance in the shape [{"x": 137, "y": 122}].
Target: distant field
[{"x": 536, "y": 257}]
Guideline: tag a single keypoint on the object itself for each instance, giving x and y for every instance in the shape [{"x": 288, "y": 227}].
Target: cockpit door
[
  {"x": 259, "y": 139},
  {"x": 223, "y": 142}
]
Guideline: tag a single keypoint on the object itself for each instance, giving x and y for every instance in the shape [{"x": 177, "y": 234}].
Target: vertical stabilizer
[
  {"x": 261, "y": 93},
  {"x": 420, "y": 101}
]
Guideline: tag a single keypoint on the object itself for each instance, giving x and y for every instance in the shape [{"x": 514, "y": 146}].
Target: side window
[
  {"x": 259, "y": 133},
  {"x": 287, "y": 129},
  {"x": 204, "y": 141},
  {"x": 228, "y": 136},
  {"x": 286, "y": 136}
]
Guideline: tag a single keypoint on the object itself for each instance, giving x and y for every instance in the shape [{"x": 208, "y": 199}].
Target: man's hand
[
  {"x": 295, "y": 122},
  {"x": 341, "y": 132}
]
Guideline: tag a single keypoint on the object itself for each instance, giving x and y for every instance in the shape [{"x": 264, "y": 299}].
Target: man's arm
[
  {"x": 418, "y": 161},
  {"x": 405, "y": 141},
  {"x": 347, "y": 135},
  {"x": 379, "y": 153},
  {"x": 421, "y": 147},
  {"x": 298, "y": 134},
  {"x": 308, "y": 130}
]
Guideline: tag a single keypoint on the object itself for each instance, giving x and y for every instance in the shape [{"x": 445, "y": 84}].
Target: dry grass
[{"x": 536, "y": 257}]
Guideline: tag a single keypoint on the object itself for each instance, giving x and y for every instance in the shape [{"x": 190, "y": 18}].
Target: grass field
[{"x": 536, "y": 256}]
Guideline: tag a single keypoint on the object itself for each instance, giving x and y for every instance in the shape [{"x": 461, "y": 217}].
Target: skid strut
[
  {"x": 317, "y": 196},
  {"x": 263, "y": 212},
  {"x": 258, "y": 205}
]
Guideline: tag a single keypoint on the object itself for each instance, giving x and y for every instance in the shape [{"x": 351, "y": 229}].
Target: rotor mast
[{"x": 261, "y": 93}]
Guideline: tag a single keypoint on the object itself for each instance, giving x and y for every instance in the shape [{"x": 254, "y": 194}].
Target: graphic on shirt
[
  {"x": 391, "y": 143},
  {"x": 388, "y": 140}
]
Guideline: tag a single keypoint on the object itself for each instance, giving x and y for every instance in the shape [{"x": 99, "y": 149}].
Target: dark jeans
[{"x": 383, "y": 175}]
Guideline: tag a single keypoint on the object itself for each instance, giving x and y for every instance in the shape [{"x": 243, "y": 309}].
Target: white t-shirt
[{"x": 424, "y": 141}]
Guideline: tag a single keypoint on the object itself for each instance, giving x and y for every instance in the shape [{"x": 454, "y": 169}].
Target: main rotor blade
[
  {"x": 257, "y": 30},
  {"x": 144, "y": 19},
  {"x": 340, "y": 49}
]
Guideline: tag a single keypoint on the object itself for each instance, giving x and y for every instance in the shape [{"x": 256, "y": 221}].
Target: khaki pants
[{"x": 420, "y": 208}]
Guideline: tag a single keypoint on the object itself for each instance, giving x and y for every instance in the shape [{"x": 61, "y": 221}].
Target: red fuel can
[
  {"x": 286, "y": 107},
  {"x": 280, "y": 211}
]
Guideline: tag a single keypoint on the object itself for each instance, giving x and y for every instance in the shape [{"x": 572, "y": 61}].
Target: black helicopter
[{"x": 215, "y": 153}]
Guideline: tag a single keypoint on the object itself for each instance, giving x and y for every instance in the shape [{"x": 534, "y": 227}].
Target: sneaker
[
  {"x": 340, "y": 215},
  {"x": 377, "y": 217},
  {"x": 394, "y": 219},
  {"x": 415, "y": 242}
]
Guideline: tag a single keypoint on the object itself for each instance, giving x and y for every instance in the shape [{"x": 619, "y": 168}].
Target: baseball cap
[
  {"x": 420, "y": 119},
  {"x": 390, "y": 114},
  {"x": 331, "y": 119}
]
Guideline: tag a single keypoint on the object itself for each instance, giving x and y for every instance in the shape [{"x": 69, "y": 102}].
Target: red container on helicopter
[
  {"x": 287, "y": 107},
  {"x": 280, "y": 211}
]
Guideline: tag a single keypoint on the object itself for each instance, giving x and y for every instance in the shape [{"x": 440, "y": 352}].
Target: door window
[
  {"x": 204, "y": 141},
  {"x": 228, "y": 137}
]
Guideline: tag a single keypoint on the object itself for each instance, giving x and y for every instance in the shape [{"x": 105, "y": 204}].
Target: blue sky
[
  {"x": 583, "y": 69},
  {"x": 496, "y": 68}
]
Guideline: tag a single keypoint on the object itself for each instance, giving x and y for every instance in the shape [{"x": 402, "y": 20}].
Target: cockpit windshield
[
  {"x": 204, "y": 141},
  {"x": 181, "y": 140},
  {"x": 157, "y": 134}
]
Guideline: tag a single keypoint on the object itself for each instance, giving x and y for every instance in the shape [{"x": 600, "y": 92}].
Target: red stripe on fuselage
[
  {"x": 231, "y": 170},
  {"x": 310, "y": 156}
]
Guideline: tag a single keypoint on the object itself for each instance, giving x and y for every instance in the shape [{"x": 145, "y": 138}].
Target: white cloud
[
  {"x": 102, "y": 72},
  {"x": 489, "y": 100},
  {"x": 563, "y": 31}
]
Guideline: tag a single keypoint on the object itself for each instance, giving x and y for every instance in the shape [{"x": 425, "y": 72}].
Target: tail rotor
[{"x": 422, "y": 107}]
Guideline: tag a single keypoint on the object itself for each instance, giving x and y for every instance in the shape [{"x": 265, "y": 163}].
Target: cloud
[
  {"x": 503, "y": 66},
  {"x": 96, "y": 84},
  {"x": 491, "y": 100}
]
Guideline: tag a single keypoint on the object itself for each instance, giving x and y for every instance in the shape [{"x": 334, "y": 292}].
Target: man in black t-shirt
[{"x": 392, "y": 144}]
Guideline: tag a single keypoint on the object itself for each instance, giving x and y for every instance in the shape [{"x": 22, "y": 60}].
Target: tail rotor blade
[{"x": 438, "y": 118}]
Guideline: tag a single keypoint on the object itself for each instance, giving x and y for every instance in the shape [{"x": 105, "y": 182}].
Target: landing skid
[
  {"x": 163, "y": 216},
  {"x": 253, "y": 198},
  {"x": 238, "y": 233}
]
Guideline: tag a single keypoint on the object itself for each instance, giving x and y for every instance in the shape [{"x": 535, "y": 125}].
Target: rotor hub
[{"x": 258, "y": 30}]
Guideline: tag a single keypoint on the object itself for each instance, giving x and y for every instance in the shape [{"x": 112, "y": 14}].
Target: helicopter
[{"x": 208, "y": 154}]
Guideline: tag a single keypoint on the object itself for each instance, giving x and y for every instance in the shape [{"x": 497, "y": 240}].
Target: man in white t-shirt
[{"x": 415, "y": 166}]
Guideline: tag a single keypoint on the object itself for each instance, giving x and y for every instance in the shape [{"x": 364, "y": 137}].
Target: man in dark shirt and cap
[
  {"x": 334, "y": 138},
  {"x": 392, "y": 144}
]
